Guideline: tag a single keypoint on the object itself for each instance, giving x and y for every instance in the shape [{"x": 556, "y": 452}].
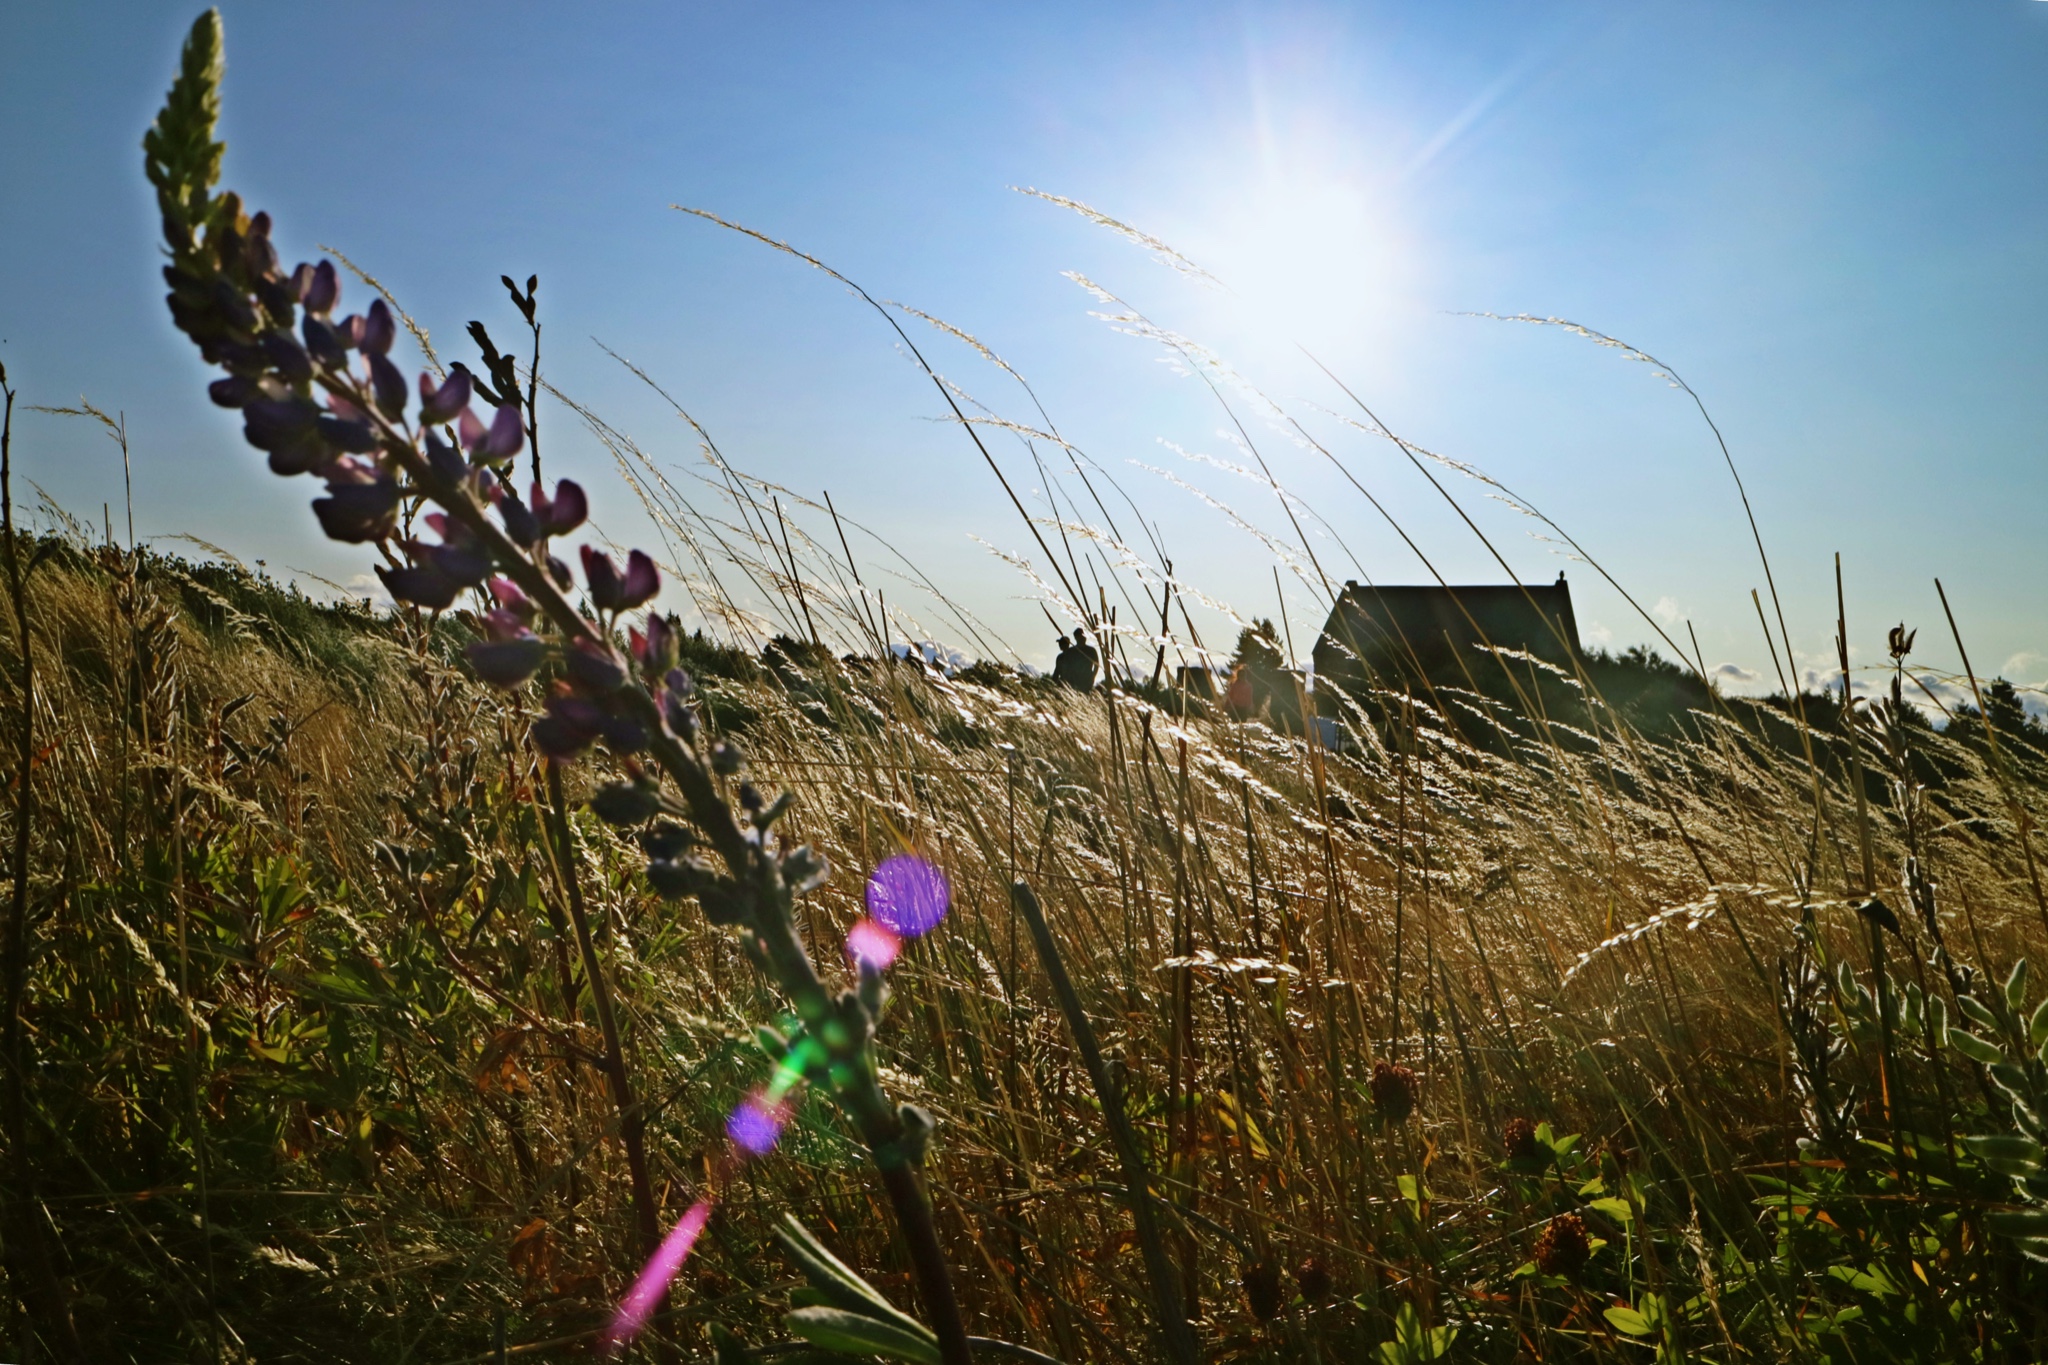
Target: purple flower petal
[
  {"x": 504, "y": 438},
  {"x": 908, "y": 896},
  {"x": 388, "y": 385},
  {"x": 422, "y": 585},
  {"x": 507, "y": 663},
  {"x": 378, "y": 329},
  {"x": 641, "y": 582},
  {"x": 323, "y": 289},
  {"x": 438, "y": 405},
  {"x": 359, "y": 512},
  {"x": 564, "y": 512},
  {"x": 602, "y": 577}
]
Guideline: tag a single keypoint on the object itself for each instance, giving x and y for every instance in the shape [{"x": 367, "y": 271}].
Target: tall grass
[{"x": 1523, "y": 1021}]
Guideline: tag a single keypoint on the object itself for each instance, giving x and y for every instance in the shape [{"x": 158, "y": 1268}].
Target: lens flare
[
  {"x": 756, "y": 1125},
  {"x": 868, "y": 943},
  {"x": 908, "y": 896},
  {"x": 662, "y": 1266}
]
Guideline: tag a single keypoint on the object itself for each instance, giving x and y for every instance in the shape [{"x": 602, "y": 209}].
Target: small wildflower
[
  {"x": 1261, "y": 1281},
  {"x": 1394, "y": 1089},
  {"x": 1563, "y": 1248}
]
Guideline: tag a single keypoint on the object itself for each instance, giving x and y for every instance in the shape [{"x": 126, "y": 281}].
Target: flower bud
[
  {"x": 594, "y": 667},
  {"x": 625, "y": 803},
  {"x": 602, "y": 577},
  {"x": 323, "y": 342},
  {"x": 642, "y": 580},
  {"x": 233, "y": 392},
  {"x": 378, "y": 329},
  {"x": 507, "y": 663},
  {"x": 562, "y": 513},
  {"x": 388, "y": 385},
  {"x": 346, "y": 434},
  {"x": 422, "y": 584},
  {"x": 358, "y": 512},
  {"x": 322, "y": 289}
]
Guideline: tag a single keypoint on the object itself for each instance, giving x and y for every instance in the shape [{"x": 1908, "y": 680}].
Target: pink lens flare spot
[
  {"x": 869, "y": 943},
  {"x": 908, "y": 896},
  {"x": 756, "y": 1125},
  {"x": 668, "y": 1258}
]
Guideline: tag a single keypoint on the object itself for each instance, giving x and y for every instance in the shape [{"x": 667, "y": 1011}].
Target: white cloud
[
  {"x": 1667, "y": 610},
  {"x": 1597, "y": 635},
  {"x": 1734, "y": 675}
]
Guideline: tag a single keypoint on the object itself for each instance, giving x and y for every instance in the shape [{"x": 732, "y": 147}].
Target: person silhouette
[{"x": 1077, "y": 663}]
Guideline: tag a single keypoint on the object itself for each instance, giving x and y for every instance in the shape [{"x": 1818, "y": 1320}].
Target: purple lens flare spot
[
  {"x": 756, "y": 1126},
  {"x": 869, "y": 943},
  {"x": 908, "y": 896}
]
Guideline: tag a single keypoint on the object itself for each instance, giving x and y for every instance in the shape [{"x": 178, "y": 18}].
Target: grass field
[{"x": 1548, "y": 1016}]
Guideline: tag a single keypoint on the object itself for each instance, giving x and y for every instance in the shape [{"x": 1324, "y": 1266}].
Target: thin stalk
[{"x": 1174, "y": 1328}]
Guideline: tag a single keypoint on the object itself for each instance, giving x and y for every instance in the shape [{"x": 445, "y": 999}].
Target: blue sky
[{"x": 1827, "y": 216}]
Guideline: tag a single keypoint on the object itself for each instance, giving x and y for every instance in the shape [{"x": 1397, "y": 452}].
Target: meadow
[{"x": 394, "y": 984}]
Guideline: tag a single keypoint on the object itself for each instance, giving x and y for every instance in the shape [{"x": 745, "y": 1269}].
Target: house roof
[{"x": 1396, "y": 632}]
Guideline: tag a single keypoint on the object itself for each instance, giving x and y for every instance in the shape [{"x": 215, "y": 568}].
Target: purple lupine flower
[
  {"x": 562, "y": 513},
  {"x": 509, "y": 598},
  {"x": 234, "y": 391},
  {"x": 655, "y": 648},
  {"x": 274, "y": 423},
  {"x": 445, "y": 460},
  {"x": 442, "y": 404},
  {"x": 323, "y": 342},
  {"x": 379, "y": 331},
  {"x": 350, "y": 330},
  {"x": 570, "y": 726},
  {"x": 602, "y": 576},
  {"x": 423, "y": 585},
  {"x": 908, "y": 896},
  {"x": 322, "y": 289},
  {"x": 361, "y": 503},
  {"x": 507, "y": 663},
  {"x": 520, "y": 522},
  {"x": 594, "y": 667},
  {"x": 559, "y": 572},
  {"x": 624, "y": 735},
  {"x": 641, "y": 582},
  {"x": 287, "y": 357},
  {"x": 387, "y": 385},
  {"x": 347, "y": 434},
  {"x": 499, "y": 441}
]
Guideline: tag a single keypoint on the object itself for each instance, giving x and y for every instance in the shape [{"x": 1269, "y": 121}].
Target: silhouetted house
[{"x": 1397, "y": 636}]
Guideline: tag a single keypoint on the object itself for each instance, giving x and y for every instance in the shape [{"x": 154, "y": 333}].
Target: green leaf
[
  {"x": 2018, "y": 1222},
  {"x": 1617, "y": 1209},
  {"x": 2008, "y": 1154},
  {"x": 838, "y": 1284},
  {"x": 1976, "y": 1049},
  {"x": 1871, "y": 1281},
  {"x": 1978, "y": 1014},
  {"x": 2016, "y": 986},
  {"x": 835, "y": 1329},
  {"x": 1937, "y": 1021},
  {"x": 2037, "y": 1027},
  {"x": 1629, "y": 1321}
]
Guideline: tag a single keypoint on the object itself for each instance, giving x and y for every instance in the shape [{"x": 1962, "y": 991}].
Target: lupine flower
[
  {"x": 519, "y": 521},
  {"x": 323, "y": 342},
  {"x": 346, "y": 434},
  {"x": 423, "y": 585},
  {"x": 625, "y": 803},
  {"x": 562, "y": 513},
  {"x": 641, "y": 582},
  {"x": 756, "y": 1125},
  {"x": 361, "y": 503},
  {"x": 322, "y": 289},
  {"x": 655, "y": 648},
  {"x": 445, "y": 460},
  {"x": 379, "y": 331},
  {"x": 501, "y": 440},
  {"x": 507, "y": 663},
  {"x": 594, "y": 667},
  {"x": 387, "y": 386},
  {"x": 233, "y": 392},
  {"x": 445, "y": 402},
  {"x": 602, "y": 577}
]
